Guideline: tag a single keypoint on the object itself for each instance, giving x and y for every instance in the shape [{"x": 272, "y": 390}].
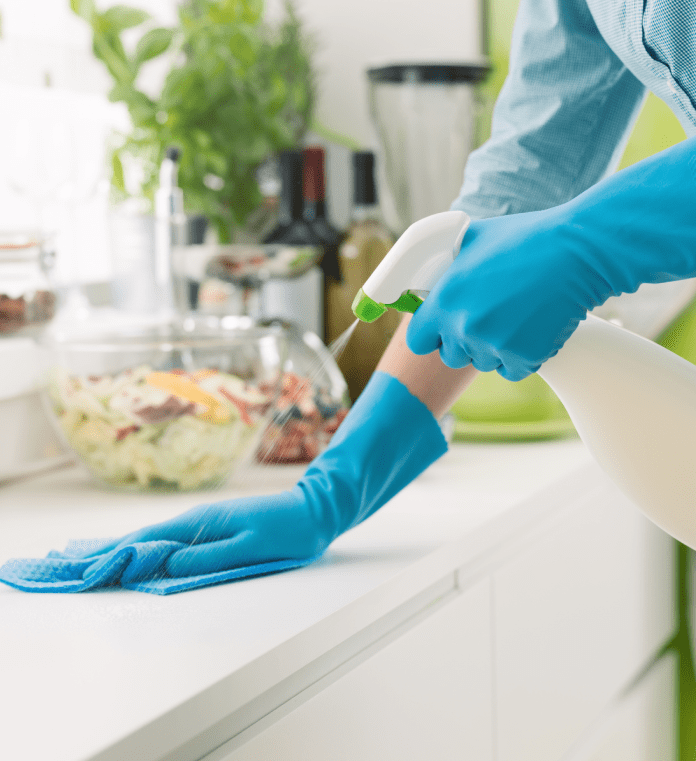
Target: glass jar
[{"x": 27, "y": 297}]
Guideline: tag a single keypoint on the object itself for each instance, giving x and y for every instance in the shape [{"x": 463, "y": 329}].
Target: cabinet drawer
[
  {"x": 577, "y": 615},
  {"x": 425, "y": 694}
]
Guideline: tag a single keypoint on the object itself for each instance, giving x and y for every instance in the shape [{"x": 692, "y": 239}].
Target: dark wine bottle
[
  {"x": 314, "y": 212},
  {"x": 292, "y": 228},
  {"x": 290, "y": 299}
]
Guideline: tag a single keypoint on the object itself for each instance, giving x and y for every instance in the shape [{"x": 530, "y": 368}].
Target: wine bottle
[
  {"x": 300, "y": 299},
  {"x": 366, "y": 243},
  {"x": 315, "y": 214},
  {"x": 314, "y": 208}
]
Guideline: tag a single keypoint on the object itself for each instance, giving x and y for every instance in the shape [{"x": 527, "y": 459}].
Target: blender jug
[{"x": 425, "y": 117}]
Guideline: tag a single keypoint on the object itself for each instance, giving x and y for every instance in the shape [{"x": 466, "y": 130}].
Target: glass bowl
[
  {"x": 312, "y": 403},
  {"x": 171, "y": 407}
]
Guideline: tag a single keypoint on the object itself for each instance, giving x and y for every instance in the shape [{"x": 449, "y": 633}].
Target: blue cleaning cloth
[{"x": 139, "y": 566}]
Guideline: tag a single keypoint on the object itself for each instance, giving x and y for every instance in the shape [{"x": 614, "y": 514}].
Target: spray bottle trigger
[
  {"x": 369, "y": 310},
  {"x": 407, "y": 302}
]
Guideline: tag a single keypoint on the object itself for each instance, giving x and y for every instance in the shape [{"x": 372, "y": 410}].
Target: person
[{"x": 556, "y": 231}]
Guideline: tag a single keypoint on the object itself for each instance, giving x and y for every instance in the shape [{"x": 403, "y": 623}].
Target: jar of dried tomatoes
[{"x": 27, "y": 297}]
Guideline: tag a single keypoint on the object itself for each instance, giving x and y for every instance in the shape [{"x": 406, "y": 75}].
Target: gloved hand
[
  {"x": 521, "y": 284},
  {"x": 388, "y": 438}
]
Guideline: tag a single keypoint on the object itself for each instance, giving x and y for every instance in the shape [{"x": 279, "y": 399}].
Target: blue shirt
[{"x": 579, "y": 72}]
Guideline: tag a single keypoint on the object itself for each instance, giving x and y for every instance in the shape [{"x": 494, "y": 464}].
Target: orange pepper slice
[
  {"x": 199, "y": 375},
  {"x": 183, "y": 387}
]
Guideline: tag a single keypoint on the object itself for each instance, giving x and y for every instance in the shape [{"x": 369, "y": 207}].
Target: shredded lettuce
[{"x": 105, "y": 420}]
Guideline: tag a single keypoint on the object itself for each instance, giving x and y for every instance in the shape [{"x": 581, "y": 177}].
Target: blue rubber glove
[
  {"x": 522, "y": 283},
  {"x": 388, "y": 438}
]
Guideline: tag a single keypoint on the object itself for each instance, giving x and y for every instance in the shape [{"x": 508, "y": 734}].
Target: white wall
[
  {"x": 55, "y": 123},
  {"x": 356, "y": 34}
]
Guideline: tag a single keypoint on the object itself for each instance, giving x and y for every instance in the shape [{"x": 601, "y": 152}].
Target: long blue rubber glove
[
  {"x": 388, "y": 438},
  {"x": 522, "y": 283}
]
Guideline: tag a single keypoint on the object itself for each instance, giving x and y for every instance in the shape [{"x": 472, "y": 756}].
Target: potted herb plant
[{"x": 236, "y": 91}]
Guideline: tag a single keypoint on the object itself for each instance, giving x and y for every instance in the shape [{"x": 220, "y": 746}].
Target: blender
[{"x": 425, "y": 116}]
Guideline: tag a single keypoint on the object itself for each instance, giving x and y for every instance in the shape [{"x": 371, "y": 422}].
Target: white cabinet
[
  {"x": 578, "y": 614},
  {"x": 531, "y": 662},
  {"x": 424, "y": 694},
  {"x": 642, "y": 726}
]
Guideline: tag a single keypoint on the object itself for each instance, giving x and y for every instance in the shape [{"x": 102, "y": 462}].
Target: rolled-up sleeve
[{"x": 561, "y": 120}]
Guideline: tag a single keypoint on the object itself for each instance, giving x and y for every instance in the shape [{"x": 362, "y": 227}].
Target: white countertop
[{"x": 108, "y": 675}]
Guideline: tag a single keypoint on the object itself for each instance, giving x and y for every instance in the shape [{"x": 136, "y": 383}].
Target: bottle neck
[
  {"x": 291, "y": 201},
  {"x": 314, "y": 184},
  {"x": 366, "y": 212},
  {"x": 314, "y": 209},
  {"x": 365, "y": 200}
]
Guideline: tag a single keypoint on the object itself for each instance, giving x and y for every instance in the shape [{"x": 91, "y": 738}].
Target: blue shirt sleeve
[{"x": 562, "y": 118}]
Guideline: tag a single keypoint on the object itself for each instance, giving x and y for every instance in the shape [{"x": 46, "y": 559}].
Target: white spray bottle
[{"x": 632, "y": 401}]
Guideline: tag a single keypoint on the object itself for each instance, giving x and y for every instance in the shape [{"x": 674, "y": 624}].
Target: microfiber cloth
[{"x": 139, "y": 566}]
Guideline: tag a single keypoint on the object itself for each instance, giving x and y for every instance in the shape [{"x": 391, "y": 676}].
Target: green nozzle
[{"x": 368, "y": 310}]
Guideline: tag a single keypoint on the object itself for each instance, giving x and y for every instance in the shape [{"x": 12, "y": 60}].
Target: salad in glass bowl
[{"x": 168, "y": 407}]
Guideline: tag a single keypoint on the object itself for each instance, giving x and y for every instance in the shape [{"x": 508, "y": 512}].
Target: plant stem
[{"x": 335, "y": 137}]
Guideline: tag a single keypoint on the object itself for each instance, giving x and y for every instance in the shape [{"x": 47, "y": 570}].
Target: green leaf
[
  {"x": 120, "y": 17},
  {"x": 142, "y": 110},
  {"x": 118, "y": 179},
  {"x": 336, "y": 137},
  {"x": 253, "y": 11},
  {"x": 152, "y": 44},
  {"x": 119, "y": 93},
  {"x": 244, "y": 46},
  {"x": 84, "y": 8},
  {"x": 111, "y": 52},
  {"x": 140, "y": 106},
  {"x": 217, "y": 163}
]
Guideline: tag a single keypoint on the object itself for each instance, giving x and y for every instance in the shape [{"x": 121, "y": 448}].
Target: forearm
[
  {"x": 426, "y": 377},
  {"x": 637, "y": 226}
]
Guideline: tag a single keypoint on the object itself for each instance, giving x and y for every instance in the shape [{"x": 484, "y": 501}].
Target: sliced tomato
[{"x": 241, "y": 405}]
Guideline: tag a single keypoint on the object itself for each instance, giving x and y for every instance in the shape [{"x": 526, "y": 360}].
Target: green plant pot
[
  {"x": 680, "y": 336},
  {"x": 494, "y": 409}
]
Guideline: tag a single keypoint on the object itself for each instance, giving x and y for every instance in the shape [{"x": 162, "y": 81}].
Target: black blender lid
[{"x": 436, "y": 73}]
